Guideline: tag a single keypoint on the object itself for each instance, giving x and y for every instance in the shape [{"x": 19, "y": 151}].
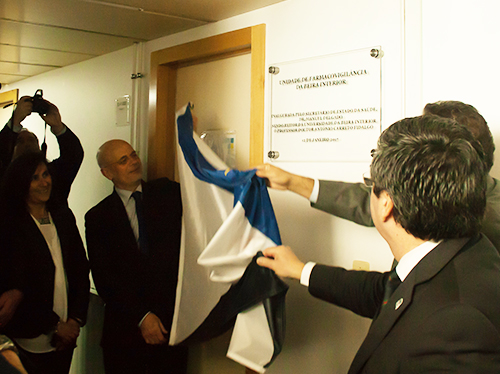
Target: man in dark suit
[
  {"x": 134, "y": 256},
  {"x": 428, "y": 180},
  {"x": 351, "y": 201}
]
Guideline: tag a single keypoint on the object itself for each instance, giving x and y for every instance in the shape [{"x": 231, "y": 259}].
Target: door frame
[{"x": 163, "y": 81}]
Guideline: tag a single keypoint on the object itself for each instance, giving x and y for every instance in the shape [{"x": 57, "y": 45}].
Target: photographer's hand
[
  {"x": 53, "y": 119},
  {"x": 23, "y": 109}
]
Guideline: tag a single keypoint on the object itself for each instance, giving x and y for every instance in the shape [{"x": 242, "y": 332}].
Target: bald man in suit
[{"x": 134, "y": 257}]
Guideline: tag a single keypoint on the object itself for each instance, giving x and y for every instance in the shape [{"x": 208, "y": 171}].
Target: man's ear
[
  {"x": 107, "y": 173},
  {"x": 386, "y": 205}
]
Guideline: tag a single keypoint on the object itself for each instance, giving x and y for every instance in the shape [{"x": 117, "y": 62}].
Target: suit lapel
[{"x": 401, "y": 299}]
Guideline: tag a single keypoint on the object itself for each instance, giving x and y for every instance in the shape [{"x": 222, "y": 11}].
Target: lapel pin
[{"x": 398, "y": 304}]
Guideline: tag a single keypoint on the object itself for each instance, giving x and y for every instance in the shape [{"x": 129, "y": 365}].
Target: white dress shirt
[
  {"x": 404, "y": 267},
  {"x": 129, "y": 203}
]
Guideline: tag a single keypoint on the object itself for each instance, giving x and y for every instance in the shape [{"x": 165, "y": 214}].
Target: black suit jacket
[
  {"x": 130, "y": 283},
  {"x": 31, "y": 269},
  {"x": 445, "y": 316}
]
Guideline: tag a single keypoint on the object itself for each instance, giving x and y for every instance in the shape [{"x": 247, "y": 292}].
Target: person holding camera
[{"x": 15, "y": 141}]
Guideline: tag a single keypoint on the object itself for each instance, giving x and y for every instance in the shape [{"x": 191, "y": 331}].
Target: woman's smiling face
[{"x": 41, "y": 185}]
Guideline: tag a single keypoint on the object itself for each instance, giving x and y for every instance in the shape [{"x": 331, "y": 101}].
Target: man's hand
[
  {"x": 282, "y": 261},
  {"x": 152, "y": 330},
  {"x": 9, "y": 301},
  {"x": 66, "y": 334},
  {"x": 53, "y": 119},
  {"x": 282, "y": 180},
  {"x": 23, "y": 109}
]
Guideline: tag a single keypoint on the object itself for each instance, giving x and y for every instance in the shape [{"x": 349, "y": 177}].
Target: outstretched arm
[
  {"x": 350, "y": 201},
  {"x": 282, "y": 180}
]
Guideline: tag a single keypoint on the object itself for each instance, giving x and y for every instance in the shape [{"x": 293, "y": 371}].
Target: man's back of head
[
  {"x": 467, "y": 115},
  {"x": 434, "y": 171},
  {"x": 26, "y": 142}
]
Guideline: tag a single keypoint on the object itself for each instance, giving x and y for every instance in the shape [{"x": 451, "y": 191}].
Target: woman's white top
[{"x": 41, "y": 344}]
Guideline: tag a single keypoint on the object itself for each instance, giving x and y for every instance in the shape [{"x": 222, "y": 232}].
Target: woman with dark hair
[{"x": 43, "y": 257}]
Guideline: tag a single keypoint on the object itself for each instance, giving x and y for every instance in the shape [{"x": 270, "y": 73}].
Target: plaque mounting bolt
[
  {"x": 273, "y": 154},
  {"x": 274, "y": 69},
  {"x": 376, "y": 53}
]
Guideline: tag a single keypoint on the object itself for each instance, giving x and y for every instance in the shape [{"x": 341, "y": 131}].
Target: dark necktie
[
  {"x": 392, "y": 283},
  {"x": 137, "y": 195}
]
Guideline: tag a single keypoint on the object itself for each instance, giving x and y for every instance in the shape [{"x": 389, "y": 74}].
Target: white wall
[
  {"x": 447, "y": 51},
  {"x": 460, "y": 57}
]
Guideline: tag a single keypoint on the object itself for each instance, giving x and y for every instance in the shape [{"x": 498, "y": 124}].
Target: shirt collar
[
  {"x": 126, "y": 194},
  {"x": 412, "y": 258}
]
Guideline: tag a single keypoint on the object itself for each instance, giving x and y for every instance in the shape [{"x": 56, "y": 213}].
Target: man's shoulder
[
  {"x": 103, "y": 206},
  {"x": 479, "y": 259},
  {"x": 161, "y": 185},
  {"x": 162, "y": 182}
]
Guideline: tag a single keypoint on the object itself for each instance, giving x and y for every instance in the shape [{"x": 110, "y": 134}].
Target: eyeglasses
[
  {"x": 123, "y": 160},
  {"x": 367, "y": 180}
]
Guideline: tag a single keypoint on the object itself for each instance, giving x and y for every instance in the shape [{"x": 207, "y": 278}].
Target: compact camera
[{"x": 40, "y": 105}]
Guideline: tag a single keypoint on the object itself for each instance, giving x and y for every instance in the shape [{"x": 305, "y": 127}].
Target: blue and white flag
[{"x": 227, "y": 220}]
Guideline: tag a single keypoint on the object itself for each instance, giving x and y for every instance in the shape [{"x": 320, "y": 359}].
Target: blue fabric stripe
[{"x": 249, "y": 189}]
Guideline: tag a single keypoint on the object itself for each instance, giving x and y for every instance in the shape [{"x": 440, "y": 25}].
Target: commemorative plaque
[{"x": 326, "y": 108}]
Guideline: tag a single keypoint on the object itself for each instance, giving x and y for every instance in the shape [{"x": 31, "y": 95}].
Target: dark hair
[
  {"x": 469, "y": 116},
  {"x": 17, "y": 180},
  {"x": 433, "y": 169}
]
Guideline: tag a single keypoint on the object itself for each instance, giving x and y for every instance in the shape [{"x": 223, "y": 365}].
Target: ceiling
[{"x": 41, "y": 35}]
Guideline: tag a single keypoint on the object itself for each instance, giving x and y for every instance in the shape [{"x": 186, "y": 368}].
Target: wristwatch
[{"x": 7, "y": 344}]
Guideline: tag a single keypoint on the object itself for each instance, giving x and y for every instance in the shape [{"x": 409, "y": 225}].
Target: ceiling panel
[
  {"x": 11, "y": 78},
  {"x": 209, "y": 10},
  {"x": 23, "y": 69},
  {"x": 43, "y": 37},
  {"x": 29, "y": 55},
  {"x": 95, "y": 17},
  {"x": 40, "y": 35}
]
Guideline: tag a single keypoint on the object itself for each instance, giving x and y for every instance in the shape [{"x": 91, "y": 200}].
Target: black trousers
[
  {"x": 142, "y": 358},
  {"x": 57, "y": 362}
]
